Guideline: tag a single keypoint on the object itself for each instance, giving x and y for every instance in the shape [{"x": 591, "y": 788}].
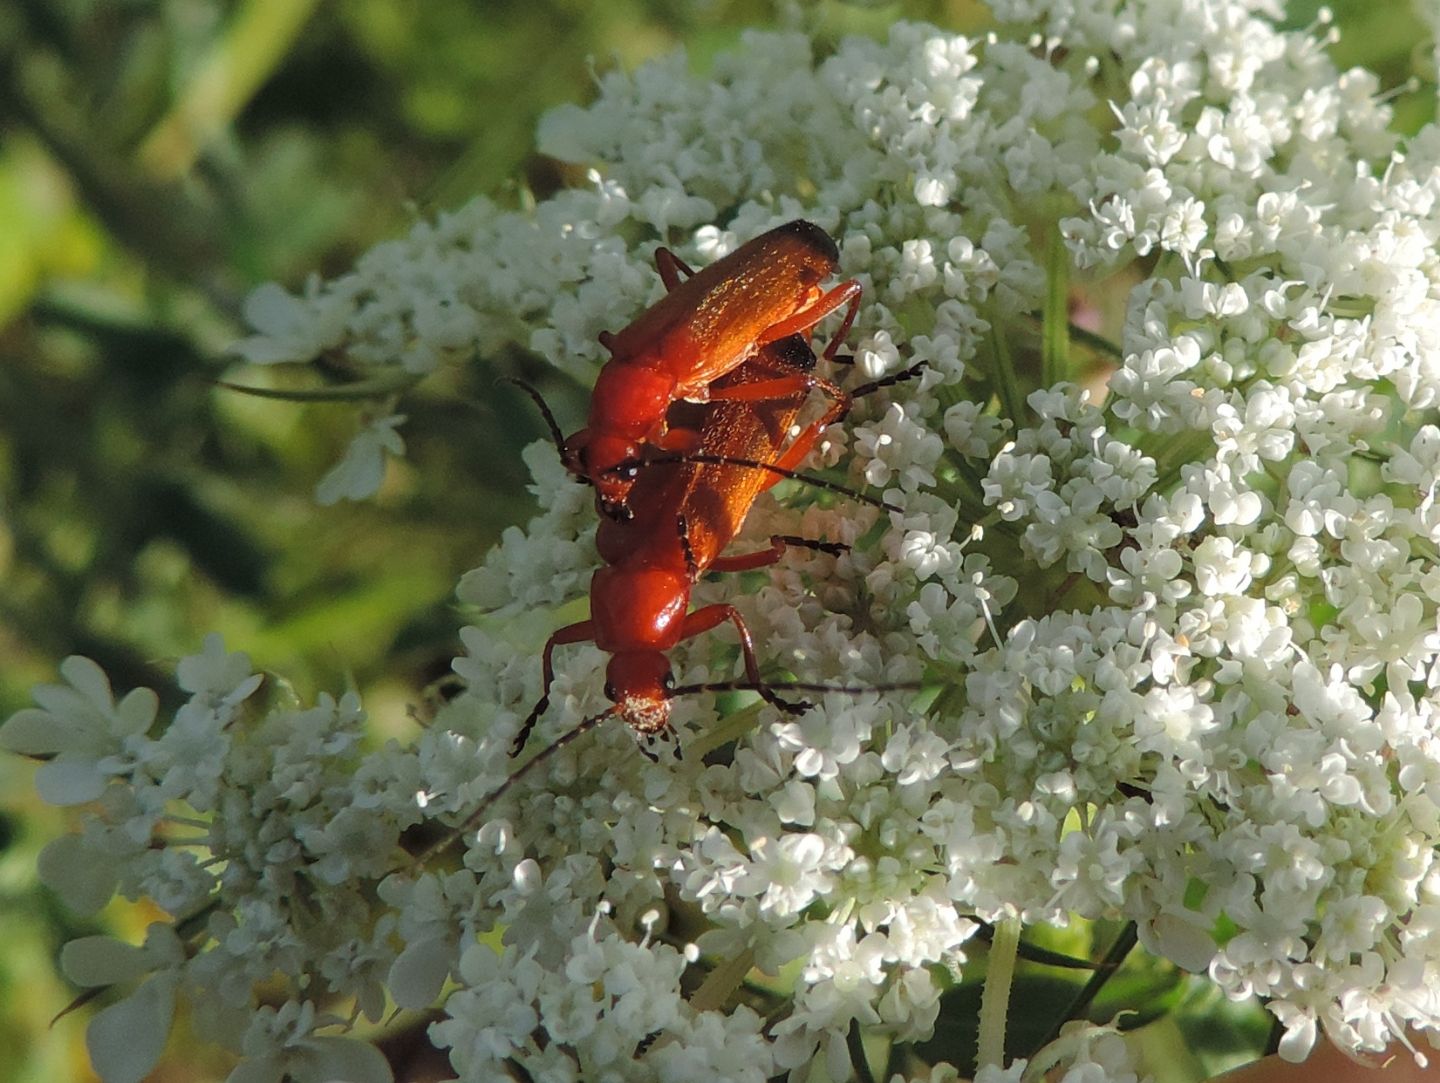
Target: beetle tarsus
[{"x": 529, "y": 725}]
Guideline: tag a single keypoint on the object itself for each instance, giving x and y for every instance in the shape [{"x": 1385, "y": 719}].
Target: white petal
[
  {"x": 69, "y": 782},
  {"x": 1298, "y": 1040},
  {"x": 103, "y": 960},
  {"x": 126, "y": 1039},
  {"x": 419, "y": 972},
  {"x": 163, "y": 945},
  {"x": 1186, "y": 945},
  {"x": 342, "y": 1060},
  {"x": 272, "y": 311},
  {"x": 356, "y": 476},
  {"x": 136, "y": 712},
  {"x": 260, "y": 350},
  {"x": 89, "y": 680},
  {"x": 33, "y": 732},
  {"x": 83, "y": 879}
]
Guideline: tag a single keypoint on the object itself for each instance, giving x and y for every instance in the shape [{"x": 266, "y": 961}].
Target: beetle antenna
[
  {"x": 756, "y": 464},
  {"x": 890, "y": 381},
  {"x": 500, "y": 791},
  {"x": 534, "y": 393},
  {"x": 584, "y": 727},
  {"x": 795, "y": 686}
]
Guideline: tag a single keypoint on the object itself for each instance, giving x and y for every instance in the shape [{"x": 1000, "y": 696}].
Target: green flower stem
[
  {"x": 1127, "y": 940},
  {"x": 1002, "y": 372},
  {"x": 1055, "y": 327},
  {"x": 715, "y": 991},
  {"x": 1099, "y": 343},
  {"x": 377, "y": 387},
  {"x": 995, "y": 1001},
  {"x": 732, "y": 727}
]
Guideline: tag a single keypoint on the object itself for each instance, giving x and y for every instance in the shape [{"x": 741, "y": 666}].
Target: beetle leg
[
  {"x": 580, "y": 632},
  {"x": 702, "y": 620},
  {"x": 691, "y": 568},
  {"x": 847, "y": 293},
  {"x": 671, "y": 267},
  {"x": 745, "y": 562}
]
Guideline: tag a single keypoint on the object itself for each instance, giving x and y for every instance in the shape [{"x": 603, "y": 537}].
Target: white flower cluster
[
  {"x": 264, "y": 875},
  {"x": 1180, "y": 636}
]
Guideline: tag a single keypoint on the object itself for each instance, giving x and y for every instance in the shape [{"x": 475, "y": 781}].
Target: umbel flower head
[{"x": 1178, "y": 631}]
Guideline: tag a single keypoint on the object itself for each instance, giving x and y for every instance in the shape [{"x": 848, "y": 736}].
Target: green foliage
[{"x": 161, "y": 158}]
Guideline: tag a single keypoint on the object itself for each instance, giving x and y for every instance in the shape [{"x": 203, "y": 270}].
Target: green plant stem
[
  {"x": 1054, "y": 325},
  {"x": 386, "y": 383},
  {"x": 855, "y": 1044},
  {"x": 1113, "y": 958},
  {"x": 995, "y": 1000},
  {"x": 1007, "y": 387},
  {"x": 1099, "y": 343},
  {"x": 720, "y": 984}
]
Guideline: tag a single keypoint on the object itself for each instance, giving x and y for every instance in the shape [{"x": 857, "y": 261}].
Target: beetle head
[{"x": 639, "y": 683}]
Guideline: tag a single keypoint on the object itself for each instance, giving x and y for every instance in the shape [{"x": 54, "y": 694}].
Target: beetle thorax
[
  {"x": 630, "y": 401},
  {"x": 638, "y": 608}
]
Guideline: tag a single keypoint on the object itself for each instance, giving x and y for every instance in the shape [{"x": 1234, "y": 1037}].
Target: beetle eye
[
  {"x": 610, "y": 693},
  {"x": 667, "y": 682}
]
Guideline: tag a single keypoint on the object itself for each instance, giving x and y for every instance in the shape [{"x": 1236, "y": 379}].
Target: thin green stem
[
  {"x": 1054, "y": 325},
  {"x": 1032, "y": 953},
  {"x": 1113, "y": 958},
  {"x": 720, "y": 984},
  {"x": 1098, "y": 343},
  {"x": 995, "y": 1000},
  {"x": 386, "y": 383},
  {"x": 1007, "y": 387},
  {"x": 855, "y": 1043}
]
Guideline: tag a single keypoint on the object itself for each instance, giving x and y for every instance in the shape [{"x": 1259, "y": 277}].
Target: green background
[{"x": 160, "y": 158}]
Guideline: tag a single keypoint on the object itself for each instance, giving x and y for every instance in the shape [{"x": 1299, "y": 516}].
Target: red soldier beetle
[
  {"x": 683, "y": 514},
  {"x": 686, "y": 509},
  {"x": 704, "y": 327}
]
